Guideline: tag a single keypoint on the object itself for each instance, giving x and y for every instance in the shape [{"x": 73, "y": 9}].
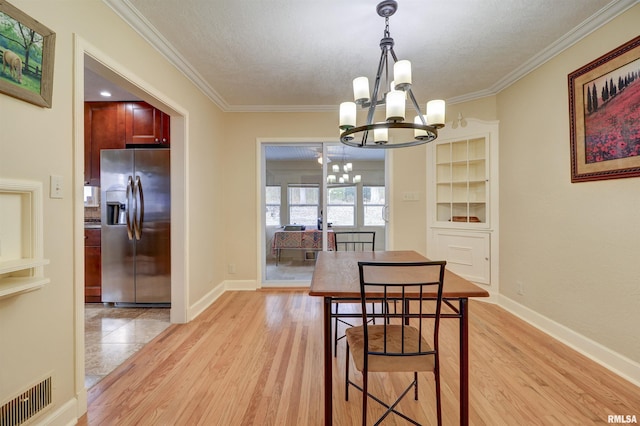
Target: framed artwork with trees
[
  {"x": 27, "y": 54},
  {"x": 604, "y": 110}
]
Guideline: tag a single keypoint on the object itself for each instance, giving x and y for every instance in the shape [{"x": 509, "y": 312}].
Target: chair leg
[
  {"x": 415, "y": 385},
  {"x": 436, "y": 371},
  {"x": 346, "y": 375},
  {"x": 365, "y": 396},
  {"x": 335, "y": 333}
]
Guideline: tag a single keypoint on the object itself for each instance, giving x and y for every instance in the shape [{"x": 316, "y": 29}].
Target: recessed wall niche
[{"x": 21, "y": 241}]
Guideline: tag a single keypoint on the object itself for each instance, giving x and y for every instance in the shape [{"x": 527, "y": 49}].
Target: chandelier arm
[
  {"x": 376, "y": 86},
  {"x": 410, "y": 92},
  {"x": 417, "y": 107},
  {"x": 393, "y": 54},
  {"x": 374, "y": 95}
]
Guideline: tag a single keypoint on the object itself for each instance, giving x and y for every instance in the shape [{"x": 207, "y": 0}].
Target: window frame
[
  {"x": 278, "y": 205},
  {"x": 365, "y": 205},
  {"x": 354, "y": 205},
  {"x": 317, "y": 204}
]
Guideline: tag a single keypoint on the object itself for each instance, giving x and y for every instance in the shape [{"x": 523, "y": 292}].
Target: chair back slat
[
  {"x": 408, "y": 292},
  {"x": 355, "y": 240}
]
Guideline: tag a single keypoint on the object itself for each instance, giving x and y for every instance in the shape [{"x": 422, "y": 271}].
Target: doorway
[
  {"x": 309, "y": 190},
  {"x": 87, "y": 56}
]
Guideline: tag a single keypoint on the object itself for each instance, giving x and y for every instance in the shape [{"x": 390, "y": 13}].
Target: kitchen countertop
[{"x": 92, "y": 224}]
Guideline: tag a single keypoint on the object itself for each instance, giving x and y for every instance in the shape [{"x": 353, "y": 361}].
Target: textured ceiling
[{"x": 291, "y": 55}]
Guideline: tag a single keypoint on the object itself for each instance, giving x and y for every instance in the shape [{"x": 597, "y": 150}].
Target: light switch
[
  {"x": 410, "y": 196},
  {"x": 55, "y": 190}
]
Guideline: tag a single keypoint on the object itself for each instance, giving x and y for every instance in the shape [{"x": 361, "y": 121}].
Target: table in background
[
  {"x": 300, "y": 240},
  {"x": 336, "y": 276}
]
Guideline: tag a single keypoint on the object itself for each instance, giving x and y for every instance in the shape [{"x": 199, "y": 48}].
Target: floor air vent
[{"x": 26, "y": 405}]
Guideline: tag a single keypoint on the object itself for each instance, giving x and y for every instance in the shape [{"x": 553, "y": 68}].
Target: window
[
  {"x": 304, "y": 201},
  {"x": 373, "y": 201},
  {"x": 272, "y": 204},
  {"x": 341, "y": 206}
]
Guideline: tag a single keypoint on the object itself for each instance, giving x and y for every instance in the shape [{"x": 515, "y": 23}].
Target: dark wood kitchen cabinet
[
  {"x": 118, "y": 125},
  {"x": 92, "y": 266},
  {"x": 146, "y": 125},
  {"x": 104, "y": 128}
]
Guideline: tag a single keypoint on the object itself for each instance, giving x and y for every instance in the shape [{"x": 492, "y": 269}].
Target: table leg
[
  {"x": 328, "y": 364},
  {"x": 464, "y": 363}
]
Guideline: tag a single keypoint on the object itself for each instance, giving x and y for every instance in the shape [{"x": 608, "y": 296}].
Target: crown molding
[
  {"x": 282, "y": 108},
  {"x": 142, "y": 26},
  {"x": 596, "y": 21}
]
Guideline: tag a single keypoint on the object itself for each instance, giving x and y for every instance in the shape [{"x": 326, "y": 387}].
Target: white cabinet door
[{"x": 467, "y": 253}]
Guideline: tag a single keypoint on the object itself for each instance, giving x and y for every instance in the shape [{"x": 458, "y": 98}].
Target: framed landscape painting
[
  {"x": 26, "y": 54},
  {"x": 604, "y": 110}
]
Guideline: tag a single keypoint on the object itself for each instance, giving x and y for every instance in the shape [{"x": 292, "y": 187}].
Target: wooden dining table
[{"x": 336, "y": 276}]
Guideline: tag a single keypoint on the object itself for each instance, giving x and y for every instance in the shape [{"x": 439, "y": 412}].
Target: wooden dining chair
[
  {"x": 349, "y": 241},
  {"x": 355, "y": 240},
  {"x": 405, "y": 341}
]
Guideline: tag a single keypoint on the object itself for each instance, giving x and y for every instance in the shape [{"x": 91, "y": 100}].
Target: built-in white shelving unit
[
  {"x": 462, "y": 200},
  {"x": 21, "y": 241}
]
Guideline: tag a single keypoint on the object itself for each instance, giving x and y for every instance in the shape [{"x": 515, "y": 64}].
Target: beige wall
[
  {"x": 37, "y": 329},
  {"x": 242, "y": 130},
  {"x": 574, "y": 247}
]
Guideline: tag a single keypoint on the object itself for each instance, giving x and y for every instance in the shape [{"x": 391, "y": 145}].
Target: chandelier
[{"x": 425, "y": 126}]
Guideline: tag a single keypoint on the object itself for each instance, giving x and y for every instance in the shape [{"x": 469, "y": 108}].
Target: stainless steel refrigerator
[{"x": 136, "y": 219}]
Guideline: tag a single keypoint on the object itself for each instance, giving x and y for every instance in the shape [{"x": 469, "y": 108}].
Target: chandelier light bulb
[
  {"x": 361, "y": 89},
  {"x": 335, "y": 168},
  {"x": 347, "y": 115},
  {"x": 349, "y": 167},
  {"x": 357, "y": 178},
  {"x": 435, "y": 113},
  {"x": 380, "y": 136},
  {"x": 402, "y": 74},
  {"x": 331, "y": 179},
  {"x": 395, "y": 105}
]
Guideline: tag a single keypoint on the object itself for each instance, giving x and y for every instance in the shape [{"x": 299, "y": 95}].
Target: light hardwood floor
[{"x": 255, "y": 358}]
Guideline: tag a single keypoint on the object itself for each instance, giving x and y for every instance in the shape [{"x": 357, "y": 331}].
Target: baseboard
[
  {"x": 286, "y": 284},
  {"x": 240, "y": 285},
  {"x": 65, "y": 415},
  {"x": 213, "y": 295},
  {"x": 617, "y": 363},
  {"x": 197, "y": 308}
]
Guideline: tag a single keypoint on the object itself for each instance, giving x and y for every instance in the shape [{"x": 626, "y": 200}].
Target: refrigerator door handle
[
  {"x": 129, "y": 207},
  {"x": 139, "y": 208}
]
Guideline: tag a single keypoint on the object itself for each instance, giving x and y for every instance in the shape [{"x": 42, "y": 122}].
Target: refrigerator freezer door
[
  {"x": 118, "y": 250},
  {"x": 153, "y": 216}
]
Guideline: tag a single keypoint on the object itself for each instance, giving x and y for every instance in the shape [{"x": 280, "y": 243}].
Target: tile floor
[{"x": 114, "y": 334}]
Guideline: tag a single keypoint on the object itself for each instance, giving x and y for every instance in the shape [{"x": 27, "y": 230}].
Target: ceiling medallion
[{"x": 425, "y": 126}]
